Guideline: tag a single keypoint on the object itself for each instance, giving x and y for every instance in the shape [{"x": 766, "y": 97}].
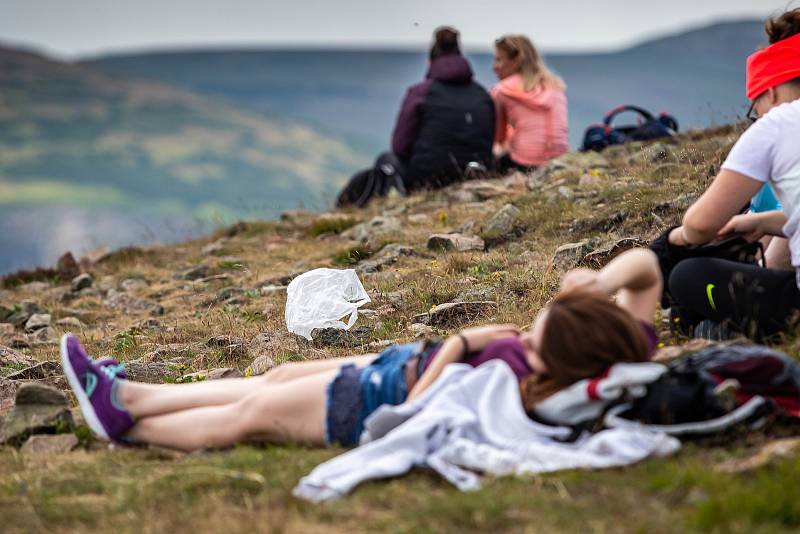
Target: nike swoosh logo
[{"x": 709, "y": 288}]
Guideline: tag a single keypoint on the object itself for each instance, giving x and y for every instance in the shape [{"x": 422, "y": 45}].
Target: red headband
[{"x": 772, "y": 66}]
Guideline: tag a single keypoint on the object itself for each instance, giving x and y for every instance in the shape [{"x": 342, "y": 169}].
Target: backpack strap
[
  {"x": 646, "y": 115},
  {"x": 752, "y": 407}
]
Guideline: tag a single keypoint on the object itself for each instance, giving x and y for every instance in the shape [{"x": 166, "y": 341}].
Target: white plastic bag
[{"x": 321, "y": 298}]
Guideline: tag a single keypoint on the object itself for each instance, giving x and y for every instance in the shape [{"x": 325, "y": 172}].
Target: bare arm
[
  {"x": 708, "y": 215},
  {"x": 633, "y": 277},
  {"x": 453, "y": 350}
]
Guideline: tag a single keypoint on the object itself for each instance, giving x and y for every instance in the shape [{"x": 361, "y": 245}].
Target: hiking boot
[
  {"x": 93, "y": 384},
  {"x": 713, "y": 331}
]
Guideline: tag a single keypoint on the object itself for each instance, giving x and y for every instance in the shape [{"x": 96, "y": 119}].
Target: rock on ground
[
  {"x": 125, "y": 303},
  {"x": 37, "y": 321},
  {"x": 503, "y": 224},
  {"x": 38, "y": 408},
  {"x": 82, "y": 281},
  {"x": 388, "y": 255},
  {"x": 455, "y": 242},
  {"x": 570, "y": 255},
  {"x": 13, "y": 358},
  {"x": 260, "y": 365},
  {"x": 46, "y": 445},
  {"x": 370, "y": 231},
  {"x": 454, "y": 313}
]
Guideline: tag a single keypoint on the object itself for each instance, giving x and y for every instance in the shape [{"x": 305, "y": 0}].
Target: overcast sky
[{"x": 72, "y": 28}]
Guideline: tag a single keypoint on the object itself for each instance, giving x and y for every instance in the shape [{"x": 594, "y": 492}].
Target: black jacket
[{"x": 444, "y": 123}]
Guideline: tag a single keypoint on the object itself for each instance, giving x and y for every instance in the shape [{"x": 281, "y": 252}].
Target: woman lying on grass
[{"x": 576, "y": 336}]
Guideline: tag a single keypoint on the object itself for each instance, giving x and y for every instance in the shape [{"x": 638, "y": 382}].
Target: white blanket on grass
[{"x": 471, "y": 420}]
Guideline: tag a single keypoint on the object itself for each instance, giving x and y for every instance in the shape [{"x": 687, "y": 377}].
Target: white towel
[{"x": 472, "y": 420}]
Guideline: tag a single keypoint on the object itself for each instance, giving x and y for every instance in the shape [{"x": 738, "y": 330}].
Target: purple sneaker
[{"x": 93, "y": 385}]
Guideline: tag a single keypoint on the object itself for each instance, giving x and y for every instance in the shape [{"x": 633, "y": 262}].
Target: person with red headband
[{"x": 721, "y": 298}]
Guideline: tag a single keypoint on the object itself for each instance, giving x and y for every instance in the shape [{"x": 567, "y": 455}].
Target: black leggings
[{"x": 754, "y": 301}]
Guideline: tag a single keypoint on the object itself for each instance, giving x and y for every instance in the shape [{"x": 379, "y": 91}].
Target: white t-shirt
[{"x": 769, "y": 151}]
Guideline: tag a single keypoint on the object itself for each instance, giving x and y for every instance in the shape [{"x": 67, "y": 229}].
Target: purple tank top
[{"x": 511, "y": 351}]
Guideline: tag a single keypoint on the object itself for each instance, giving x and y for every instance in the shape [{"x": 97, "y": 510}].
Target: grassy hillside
[
  {"x": 696, "y": 75},
  {"x": 73, "y": 136},
  {"x": 634, "y": 191}
]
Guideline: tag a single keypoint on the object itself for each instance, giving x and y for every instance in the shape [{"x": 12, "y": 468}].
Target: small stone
[
  {"x": 38, "y": 408},
  {"x": 474, "y": 294},
  {"x": 44, "y": 335},
  {"x": 565, "y": 192},
  {"x": 569, "y": 255},
  {"x": 26, "y": 309},
  {"x": 82, "y": 281},
  {"x": 260, "y": 365},
  {"x": 485, "y": 189},
  {"x": 124, "y": 302},
  {"x": 455, "y": 242},
  {"x": 503, "y": 223},
  {"x": 151, "y": 372},
  {"x": 194, "y": 273},
  {"x": 224, "y": 372},
  {"x": 453, "y": 313},
  {"x": 70, "y": 322},
  {"x": 388, "y": 255},
  {"x": 12, "y": 358},
  {"x": 338, "y": 337},
  {"x": 420, "y": 330},
  {"x": 130, "y": 285},
  {"x": 37, "y": 321},
  {"x": 371, "y": 231},
  {"x": 149, "y": 324},
  {"x": 46, "y": 445}
]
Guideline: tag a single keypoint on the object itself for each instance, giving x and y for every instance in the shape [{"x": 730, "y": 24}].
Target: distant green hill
[
  {"x": 73, "y": 136},
  {"x": 697, "y": 75},
  {"x": 129, "y": 142}
]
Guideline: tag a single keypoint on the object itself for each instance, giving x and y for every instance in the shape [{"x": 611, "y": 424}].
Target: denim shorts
[{"x": 355, "y": 393}]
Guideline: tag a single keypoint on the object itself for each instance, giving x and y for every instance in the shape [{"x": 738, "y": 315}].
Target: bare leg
[
  {"x": 145, "y": 400},
  {"x": 289, "y": 412}
]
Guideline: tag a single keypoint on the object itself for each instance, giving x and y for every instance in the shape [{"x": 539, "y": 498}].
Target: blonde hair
[{"x": 532, "y": 68}]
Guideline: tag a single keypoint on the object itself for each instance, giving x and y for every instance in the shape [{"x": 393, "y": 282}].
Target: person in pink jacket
[{"x": 531, "y": 107}]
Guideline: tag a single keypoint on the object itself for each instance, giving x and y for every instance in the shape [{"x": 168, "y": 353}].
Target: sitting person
[
  {"x": 726, "y": 295},
  {"x": 578, "y": 335},
  {"x": 445, "y": 126},
  {"x": 530, "y": 105}
]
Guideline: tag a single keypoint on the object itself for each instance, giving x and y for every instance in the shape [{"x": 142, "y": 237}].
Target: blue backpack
[{"x": 599, "y": 136}]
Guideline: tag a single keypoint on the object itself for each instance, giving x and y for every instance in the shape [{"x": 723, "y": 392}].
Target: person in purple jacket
[
  {"x": 578, "y": 335},
  {"x": 445, "y": 126}
]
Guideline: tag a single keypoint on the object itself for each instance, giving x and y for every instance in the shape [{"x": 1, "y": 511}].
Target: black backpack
[
  {"x": 599, "y": 136},
  {"x": 364, "y": 185}
]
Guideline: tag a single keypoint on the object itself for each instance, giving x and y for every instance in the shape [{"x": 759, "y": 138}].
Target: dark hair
[
  {"x": 583, "y": 335},
  {"x": 445, "y": 41},
  {"x": 784, "y": 26}
]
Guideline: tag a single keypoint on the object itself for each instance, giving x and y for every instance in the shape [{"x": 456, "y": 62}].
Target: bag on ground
[{"x": 322, "y": 298}]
